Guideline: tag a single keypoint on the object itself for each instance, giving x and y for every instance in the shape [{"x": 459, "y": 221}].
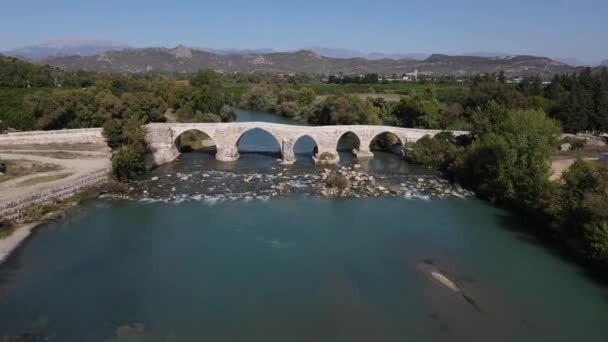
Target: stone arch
[
  {"x": 387, "y": 141},
  {"x": 352, "y": 141},
  {"x": 302, "y": 139},
  {"x": 392, "y": 138},
  {"x": 260, "y": 132},
  {"x": 208, "y": 142}
]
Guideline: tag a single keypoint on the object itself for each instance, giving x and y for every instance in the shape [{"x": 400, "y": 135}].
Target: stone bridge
[{"x": 162, "y": 138}]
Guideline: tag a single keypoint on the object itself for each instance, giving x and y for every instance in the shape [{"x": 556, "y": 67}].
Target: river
[{"x": 296, "y": 267}]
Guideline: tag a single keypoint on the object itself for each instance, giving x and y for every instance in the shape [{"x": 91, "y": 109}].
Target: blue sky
[{"x": 556, "y": 28}]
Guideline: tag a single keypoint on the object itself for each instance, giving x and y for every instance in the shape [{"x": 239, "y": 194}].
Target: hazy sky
[{"x": 556, "y": 28}]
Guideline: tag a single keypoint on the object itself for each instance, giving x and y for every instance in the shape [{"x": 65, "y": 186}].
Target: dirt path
[
  {"x": 11, "y": 189},
  {"x": 558, "y": 166}
]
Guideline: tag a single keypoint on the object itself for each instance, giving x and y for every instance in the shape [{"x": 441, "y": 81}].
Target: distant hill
[
  {"x": 349, "y": 53},
  {"x": 604, "y": 63},
  {"x": 182, "y": 59},
  {"x": 56, "y": 48},
  {"x": 238, "y": 51}
]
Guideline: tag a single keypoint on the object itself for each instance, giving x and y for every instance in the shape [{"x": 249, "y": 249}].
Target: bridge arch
[
  {"x": 271, "y": 145},
  {"x": 194, "y": 140},
  {"x": 386, "y": 141},
  {"x": 304, "y": 144},
  {"x": 348, "y": 141}
]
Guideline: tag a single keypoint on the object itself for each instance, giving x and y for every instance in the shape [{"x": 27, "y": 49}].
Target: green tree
[
  {"x": 344, "y": 110},
  {"x": 422, "y": 110},
  {"x": 127, "y": 161},
  {"x": 509, "y": 164},
  {"x": 306, "y": 96},
  {"x": 438, "y": 152}
]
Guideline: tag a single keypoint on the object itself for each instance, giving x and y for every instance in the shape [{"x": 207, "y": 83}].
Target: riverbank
[{"x": 58, "y": 176}]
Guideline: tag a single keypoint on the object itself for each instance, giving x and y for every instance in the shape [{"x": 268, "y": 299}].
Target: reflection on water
[{"x": 293, "y": 268}]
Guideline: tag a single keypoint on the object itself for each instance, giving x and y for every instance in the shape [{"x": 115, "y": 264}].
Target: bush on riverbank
[
  {"x": 579, "y": 208},
  {"x": 438, "y": 152},
  {"x": 128, "y": 161},
  {"x": 507, "y": 163},
  {"x": 337, "y": 181}
]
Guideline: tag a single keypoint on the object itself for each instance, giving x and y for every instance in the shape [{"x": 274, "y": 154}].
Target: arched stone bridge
[{"x": 162, "y": 138}]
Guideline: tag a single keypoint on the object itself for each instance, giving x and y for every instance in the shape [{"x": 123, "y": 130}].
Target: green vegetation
[
  {"x": 41, "y": 97},
  {"x": 354, "y": 79},
  {"x": 506, "y": 160},
  {"x": 344, "y": 110},
  {"x": 12, "y": 108},
  {"x": 579, "y": 209}
]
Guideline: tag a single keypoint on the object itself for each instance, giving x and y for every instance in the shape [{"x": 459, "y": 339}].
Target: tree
[
  {"x": 206, "y": 78},
  {"x": 437, "y": 152},
  {"x": 144, "y": 106},
  {"x": 422, "y": 110},
  {"x": 344, "y": 110},
  {"x": 306, "y": 96},
  {"x": 112, "y": 131},
  {"x": 485, "y": 91},
  {"x": 509, "y": 162},
  {"x": 128, "y": 161}
]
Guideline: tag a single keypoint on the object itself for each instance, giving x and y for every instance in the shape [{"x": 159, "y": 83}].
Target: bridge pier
[
  {"x": 363, "y": 153},
  {"x": 227, "y": 153},
  {"x": 327, "y": 154},
  {"x": 288, "y": 156}
]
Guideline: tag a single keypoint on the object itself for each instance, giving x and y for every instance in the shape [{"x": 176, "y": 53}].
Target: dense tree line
[
  {"x": 505, "y": 160},
  {"x": 121, "y": 104},
  {"x": 353, "y": 79},
  {"x": 287, "y": 101},
  {"x": 578, "y": 101}
]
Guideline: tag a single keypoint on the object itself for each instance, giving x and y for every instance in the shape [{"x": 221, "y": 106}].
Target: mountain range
[
  {"x": 64, "y": 47},
  {"x": 182, "y": 59},
  {"x": 110, "y": 56}
]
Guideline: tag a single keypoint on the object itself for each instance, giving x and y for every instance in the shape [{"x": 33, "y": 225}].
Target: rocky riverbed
[{"x": 212, "y": 186}]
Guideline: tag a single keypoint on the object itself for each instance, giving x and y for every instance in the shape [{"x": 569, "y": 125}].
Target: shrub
[
  {"x": 325, "y": 156},
  {"x": 112, "y": 131},
  {"x": 437, "y": 152},
  {"x": 288, "y": 109},
  {"x": 336, "y": 180},
  {"x": 128, "y": 161},
  {"x": 306, "y": 96}
]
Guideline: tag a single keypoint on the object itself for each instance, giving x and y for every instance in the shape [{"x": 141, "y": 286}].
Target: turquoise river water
[{"x": 294, "y": 268}]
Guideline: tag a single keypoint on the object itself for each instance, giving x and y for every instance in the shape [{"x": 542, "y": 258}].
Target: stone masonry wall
[
  {"x": 15, "y": 209},
  {"x": 66, "y": 136}
]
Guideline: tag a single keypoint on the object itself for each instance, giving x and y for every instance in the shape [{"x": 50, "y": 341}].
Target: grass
[
  {"x": 20, "y": 168},
  {"x": 44, "y": 179}
]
